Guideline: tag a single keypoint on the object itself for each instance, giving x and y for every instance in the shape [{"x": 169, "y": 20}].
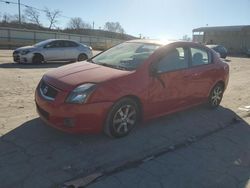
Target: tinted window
[
  {"x": 54, "y": 44},
  {"x": 70, "y": 44},
  {"x": 174, "y": 60},
  {"x": 199, "y": 57}
]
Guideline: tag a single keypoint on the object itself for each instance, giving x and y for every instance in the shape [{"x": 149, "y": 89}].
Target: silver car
[{"x": 52, "y": 50}]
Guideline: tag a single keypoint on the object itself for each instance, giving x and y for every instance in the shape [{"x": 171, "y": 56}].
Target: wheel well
[
  {"x": 38, "y": 54},
  {"x": 222, "y": 83},
  {"x": 219, "y": 82},
  {"x": 138, "y": 102},
  {"x": 83, "y": 54}
]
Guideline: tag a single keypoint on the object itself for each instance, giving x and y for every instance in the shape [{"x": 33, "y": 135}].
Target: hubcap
[
  {"x": 124, "y": 119},
  {"x": 216, "y": 96}
]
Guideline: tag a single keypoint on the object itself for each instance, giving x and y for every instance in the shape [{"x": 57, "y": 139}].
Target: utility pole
[
  {"x": 93, "y": 25},
  {"x": 19, "y": 12}
]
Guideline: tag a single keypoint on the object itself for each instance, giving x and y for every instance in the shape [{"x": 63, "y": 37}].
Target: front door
[
  {"x": 167, "y": 88},
  {"x": 54, "y": 51}
]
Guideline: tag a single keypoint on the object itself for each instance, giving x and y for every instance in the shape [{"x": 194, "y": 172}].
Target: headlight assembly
[
  {"x": 24, "y": 52},
  {"x": 80, "y": 94}
]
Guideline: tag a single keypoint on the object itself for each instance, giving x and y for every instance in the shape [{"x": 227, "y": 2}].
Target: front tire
[
  {"x": 37, "y": 59},
  {"x": 82, "y": 57},
  {"x": 216, "y": 95},
  {"x": 122, "y": 118}
]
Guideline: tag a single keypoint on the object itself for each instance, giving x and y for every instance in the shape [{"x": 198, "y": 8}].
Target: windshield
[
  {"x": 42, "y": 43},
  {"x": 126, "y": 56}
]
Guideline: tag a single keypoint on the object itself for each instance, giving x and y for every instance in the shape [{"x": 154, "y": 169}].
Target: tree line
[{"x": 31, "y": 18}]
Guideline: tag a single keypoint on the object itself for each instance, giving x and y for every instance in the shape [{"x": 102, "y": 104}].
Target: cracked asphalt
[{"x": 198, "y": 147}]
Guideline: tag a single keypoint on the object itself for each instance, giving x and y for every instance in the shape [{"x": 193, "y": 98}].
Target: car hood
[
  {"x": 70, "y": 76},
  {"x": 25, "y": 48}
]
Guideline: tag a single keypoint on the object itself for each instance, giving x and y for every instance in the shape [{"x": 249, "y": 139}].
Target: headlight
[
  {"x": 24, "y": 52},
  {"x": 80, "y": 94}
]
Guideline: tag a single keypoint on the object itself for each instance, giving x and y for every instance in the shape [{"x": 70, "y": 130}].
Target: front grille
[
  {"x": 16, "y": 56},
  {"x": 42, "y": 112},
  {"x": 15, "y": 52},
  {"x": 48, "y": 92}
]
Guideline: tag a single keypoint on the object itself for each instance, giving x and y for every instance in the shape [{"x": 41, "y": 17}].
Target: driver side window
[
  {"x": 54, "y": 44},
  {"x": 175, "y": 59}
]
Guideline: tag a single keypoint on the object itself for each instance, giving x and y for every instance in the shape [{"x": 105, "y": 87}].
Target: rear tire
[
  {"x": 82, "y": 57},
  {"x": 122, "y": 118},
  {"x": 37, "y": 59},
  {"x": 216, "y": 95}
]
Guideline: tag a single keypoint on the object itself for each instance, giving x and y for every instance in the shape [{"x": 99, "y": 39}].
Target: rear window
[
  {"x": 70, "y": 44},
  {"x": 200, "y": 57}
]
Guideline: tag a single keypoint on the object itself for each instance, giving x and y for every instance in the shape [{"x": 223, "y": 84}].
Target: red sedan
[{"x": 134, "y": 81}]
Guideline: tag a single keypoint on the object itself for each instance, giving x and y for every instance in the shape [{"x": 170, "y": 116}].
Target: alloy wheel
[
  {"x": 124, "y": 119},
  {"x": 82, "y": 57},
  {"x": 216, "y": 96}
]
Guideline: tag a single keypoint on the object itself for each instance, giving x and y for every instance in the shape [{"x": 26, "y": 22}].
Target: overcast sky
[{"x": 159, "y": 19}]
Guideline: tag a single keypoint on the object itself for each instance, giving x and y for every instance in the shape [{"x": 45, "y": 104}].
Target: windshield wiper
[{"x": 90, "y": 60}]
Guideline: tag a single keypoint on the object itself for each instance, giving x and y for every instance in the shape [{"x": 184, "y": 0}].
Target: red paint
[{"x": 183, "y": 89}]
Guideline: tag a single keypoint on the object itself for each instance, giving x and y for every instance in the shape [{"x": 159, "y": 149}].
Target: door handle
[{"x": 196, "y": 74}]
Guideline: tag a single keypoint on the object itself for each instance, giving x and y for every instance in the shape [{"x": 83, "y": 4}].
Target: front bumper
[
  {"x": 72, "y": 118},
  {"x": 18, "y": 58}
]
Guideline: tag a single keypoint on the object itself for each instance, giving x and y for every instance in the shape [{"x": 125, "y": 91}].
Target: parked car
[
  {"x": 52, "y": 50},
  {"x": 247, "y": 52},
  {"x": 134, "y": 81},
  {"x": 221, "y": 50}
]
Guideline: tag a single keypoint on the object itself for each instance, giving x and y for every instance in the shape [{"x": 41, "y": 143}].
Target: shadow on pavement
[{"x": 35, "y": 154}]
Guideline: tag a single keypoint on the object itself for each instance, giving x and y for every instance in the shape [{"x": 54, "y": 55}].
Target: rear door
[
  {"x": 203, "y": 74},
  {"x": 71, "y": 50},
  {"x": 167, "y": 89}
]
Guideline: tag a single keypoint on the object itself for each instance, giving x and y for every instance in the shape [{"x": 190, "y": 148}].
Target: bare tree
[
  {"x": 52, "y": 16},
  {"x": 6, "y": 18},
  {"x": 114, "y": 27},
  {"x": 32, "y": 15},
  {"x": 78, "y": 23},
  {"x": 15, "y": 18}
]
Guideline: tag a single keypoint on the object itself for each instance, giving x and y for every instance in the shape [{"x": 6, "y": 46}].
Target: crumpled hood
[{"x": 70, "y": 76}]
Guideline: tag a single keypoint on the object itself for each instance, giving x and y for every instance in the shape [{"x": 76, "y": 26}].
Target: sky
[{"x": 156, "y": 19}]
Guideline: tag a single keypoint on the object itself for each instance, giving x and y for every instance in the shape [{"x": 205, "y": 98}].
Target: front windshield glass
[
  {"x": 42, "y": 43},
  {"x": 126, "y": 56}
]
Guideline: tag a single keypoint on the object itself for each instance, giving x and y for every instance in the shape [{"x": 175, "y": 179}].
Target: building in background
[{"x": 235, "y": 38}]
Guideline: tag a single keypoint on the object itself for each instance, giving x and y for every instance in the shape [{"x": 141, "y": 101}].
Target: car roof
[
  {"x": 51, "y": 40},
  {"x": 152, "y": 41},
  {"x": 165, "y": 42}
]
